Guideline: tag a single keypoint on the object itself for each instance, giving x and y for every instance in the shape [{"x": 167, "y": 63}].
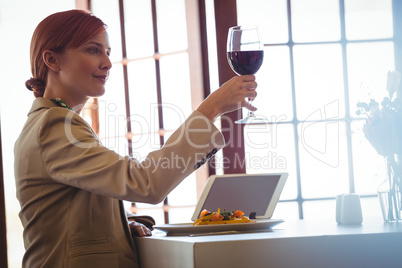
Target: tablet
[{"x": 254, "y": 194}]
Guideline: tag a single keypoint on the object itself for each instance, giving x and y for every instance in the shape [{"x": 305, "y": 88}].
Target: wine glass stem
[{"x": 250, "y": 113}]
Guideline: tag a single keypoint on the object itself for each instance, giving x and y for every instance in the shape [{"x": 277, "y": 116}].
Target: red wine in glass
[
  {"x": 245, "y": 55},
  {"x": 245, "y": 62}
]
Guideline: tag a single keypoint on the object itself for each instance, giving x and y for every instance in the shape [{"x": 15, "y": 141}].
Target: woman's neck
[{"x": 75, "y": 104}]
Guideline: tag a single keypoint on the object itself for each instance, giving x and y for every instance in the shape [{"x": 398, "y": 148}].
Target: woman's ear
[{"x": 51, "y": 61}]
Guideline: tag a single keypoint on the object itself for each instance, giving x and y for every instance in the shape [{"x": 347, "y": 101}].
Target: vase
[
  {"x": 389, "y": 193},
  {"x": 390, "y": 202}
]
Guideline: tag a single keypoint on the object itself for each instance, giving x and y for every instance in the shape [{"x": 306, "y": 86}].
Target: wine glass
[{"x": 245, "y": 52}]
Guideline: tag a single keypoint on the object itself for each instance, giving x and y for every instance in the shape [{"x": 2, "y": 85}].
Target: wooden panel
[
  {"x": 205, "y": 70},
  {"x": 83, "y": 4},
  {"x": 233, "y": 153}
]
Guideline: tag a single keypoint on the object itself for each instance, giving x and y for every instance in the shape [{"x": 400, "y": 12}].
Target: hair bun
[{"x": 37, "y": 86}]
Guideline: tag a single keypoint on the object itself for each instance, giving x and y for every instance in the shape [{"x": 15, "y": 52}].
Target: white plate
[{"x": 188, "y": 228}]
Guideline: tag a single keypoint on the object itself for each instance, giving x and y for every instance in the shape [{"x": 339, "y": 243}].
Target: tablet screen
[{"x": 248, "y": 193}]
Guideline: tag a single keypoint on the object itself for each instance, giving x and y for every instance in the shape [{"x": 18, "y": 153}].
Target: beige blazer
[{"x": 69, "y": 186}]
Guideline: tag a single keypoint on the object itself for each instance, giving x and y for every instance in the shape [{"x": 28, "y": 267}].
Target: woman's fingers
[
  {"x": 143, "y": 231},
  {"x": 250, "y": 94},
  {"x": 243, "y": 92},
  {"x": 138, "y": 229},
  {"x": 248, "y": 77},
  {"x": 230, "y": 96},
  {"x": 252, "y": 85},
  {"x": 248, "y": 105}
]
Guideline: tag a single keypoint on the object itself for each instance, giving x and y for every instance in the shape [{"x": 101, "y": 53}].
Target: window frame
[{"x": 225, "y": 14}]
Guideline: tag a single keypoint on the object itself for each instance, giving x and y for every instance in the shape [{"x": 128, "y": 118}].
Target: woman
[{"x": 69, "y": 185}]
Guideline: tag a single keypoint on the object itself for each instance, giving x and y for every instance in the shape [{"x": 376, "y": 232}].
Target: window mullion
[
  {"x": 158, "y": 89},
  {"x": 295, "y": 120},
  {"x": 125, "y": 73},
  {"x": 346, "y": 96},
  {"x": 157, "y": 68}
]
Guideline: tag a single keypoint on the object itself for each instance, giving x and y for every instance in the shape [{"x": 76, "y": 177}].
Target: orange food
[
  {"x": 204, "y": 212},
  {"x": 238, "y": 213},
  {"x": 224, "y": 217},
  {"x": 217, "y": 217}
]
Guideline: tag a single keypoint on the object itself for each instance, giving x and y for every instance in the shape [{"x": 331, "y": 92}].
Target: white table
[{"x": 290, "y": 244}]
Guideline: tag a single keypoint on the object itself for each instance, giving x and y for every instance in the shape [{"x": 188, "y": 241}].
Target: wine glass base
[{"x": 252, "y": 120}]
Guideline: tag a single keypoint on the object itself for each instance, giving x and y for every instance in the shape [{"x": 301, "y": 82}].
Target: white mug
[{"x": 348, "y": 209}]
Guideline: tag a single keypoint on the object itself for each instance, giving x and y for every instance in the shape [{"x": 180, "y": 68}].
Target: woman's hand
[
  {"x": 138, "y": 229},
  {"x": 230, "y": 96}
]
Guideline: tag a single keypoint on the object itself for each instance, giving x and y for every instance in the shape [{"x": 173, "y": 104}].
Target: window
[
  {"x": 320, "y": 60},
  {"x": 149, "y": 93}
]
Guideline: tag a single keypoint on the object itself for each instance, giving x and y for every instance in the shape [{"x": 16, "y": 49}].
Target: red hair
[{"x": 67, "y": 29}]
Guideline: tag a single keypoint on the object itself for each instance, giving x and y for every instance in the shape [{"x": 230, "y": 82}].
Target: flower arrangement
[{"x": 383, "y": 129}]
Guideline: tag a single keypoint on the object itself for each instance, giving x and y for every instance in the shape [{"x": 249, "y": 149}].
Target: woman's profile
[{"x": 69, "y": 185}]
